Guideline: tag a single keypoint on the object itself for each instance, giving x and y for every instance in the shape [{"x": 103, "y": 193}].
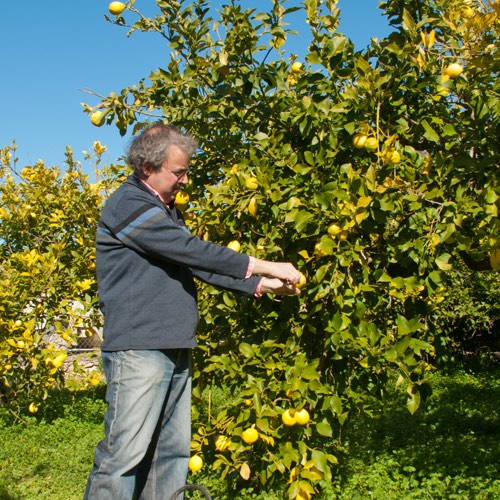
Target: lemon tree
[
  {"x": 47, "y": 282},
  {"x": 373, "y": 171}
]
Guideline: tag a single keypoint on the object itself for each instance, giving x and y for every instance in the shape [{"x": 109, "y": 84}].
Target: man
[{"x": 146, "y": 260}]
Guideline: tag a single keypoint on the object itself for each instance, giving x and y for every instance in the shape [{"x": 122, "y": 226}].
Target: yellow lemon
[
  {"x": 221, "y": 443},
  {"x": 195, "y": 463},
  {"x": 116, "y": 8},
  {"x": 234, "y": 245},
  {"x": 252, "y": 206},
  {"x": 333, "y": 230},
  {"x": 318, "y": 250},
  {"x": 33, "y": 408},
  {"x": 251, "y": 183},
  {"x": 59, "y": 360},
  {"x": 181, "y": 198},
  {"x": 289, "y": 417},
  {"x": 393, "y": 157},
  {"x": 358, "y": 141},
  {"x": 250, "y": 435},
  {"x": 371, "y": 144},
  {"x": 302, "y": 416},
  {"x": 453, "y": 70},
  {"x": 302, "y": 281},
  {"x": 97, "y": 118},
  {"x": 297, "y": 67}
]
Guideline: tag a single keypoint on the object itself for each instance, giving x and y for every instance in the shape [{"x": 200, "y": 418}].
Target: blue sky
[{"x": 51, "y": 51}]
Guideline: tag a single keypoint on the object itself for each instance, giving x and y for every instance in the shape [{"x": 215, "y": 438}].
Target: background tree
[{"x": 47, "y": 286}]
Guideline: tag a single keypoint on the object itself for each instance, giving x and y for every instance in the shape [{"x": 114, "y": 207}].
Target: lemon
[
  {"x": 116, "y": 8},
  {"x": 181, "y": 198},
  {"x": 297, "y": 67},
  {"x": 371, "y": 144},
  {"x": 252, "y": 206},
  {"x": 250, "y": 435},
  {"x": 234, "y": 245},
  {"x": 33, "y": 408},
  {"x": 302, "y": 281},
  {"x": 221, "y": 443},
  {"x": 333, "y": 230},
  {"x": 97, "y": 118},
  {"x": 302, "y": 416},
  {"x": 289, "y": 417},
  {"x": 195, "y": 463},
  {"x": 251, "y": 183},
  {"x": 453, "y": 70},
  {"x": 59, "y": 360},
  {"x": 358, "y": 141},
  {"x": 393, "y": 157}
]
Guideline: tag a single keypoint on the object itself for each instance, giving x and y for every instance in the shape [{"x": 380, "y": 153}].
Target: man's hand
[
  {"x": 278, "y": 287},
  {"x": 284, "y": 271}
]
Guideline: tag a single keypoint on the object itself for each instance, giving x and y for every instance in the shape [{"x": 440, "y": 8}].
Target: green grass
[{"x": 448, "y": 449}]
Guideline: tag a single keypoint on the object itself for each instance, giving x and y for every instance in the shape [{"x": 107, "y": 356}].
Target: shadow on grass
[
  {"x": 6, "y": 495},
  {"x": 455, "y": 432}
]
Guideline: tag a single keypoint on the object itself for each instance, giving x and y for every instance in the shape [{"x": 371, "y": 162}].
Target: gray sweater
[{"x": 146, "y": 259}]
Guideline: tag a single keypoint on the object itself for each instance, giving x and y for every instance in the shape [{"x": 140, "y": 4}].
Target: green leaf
[
  {"x": 413, "y": 402},
  {"x": 246, "y": 349},
  {"x": 324, "y": 429},
  {"x": 430, "y": 134},
  {"x": 442, "y": 262},
  {"x": 407, "y": 326}
]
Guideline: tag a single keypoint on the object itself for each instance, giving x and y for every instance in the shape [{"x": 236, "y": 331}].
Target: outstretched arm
[{"x": 284, "y": 271}]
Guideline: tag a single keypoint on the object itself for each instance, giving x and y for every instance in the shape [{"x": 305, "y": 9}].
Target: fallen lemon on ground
[{"x": 195, "y": 463}]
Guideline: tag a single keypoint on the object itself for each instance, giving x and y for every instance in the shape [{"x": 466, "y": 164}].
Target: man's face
[{"x": 172, "y": 176}]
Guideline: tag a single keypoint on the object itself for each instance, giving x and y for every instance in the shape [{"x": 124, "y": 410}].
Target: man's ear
[{"x": 146, "y": 170}]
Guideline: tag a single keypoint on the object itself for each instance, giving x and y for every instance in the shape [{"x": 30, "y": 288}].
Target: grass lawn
[{"x": 449, "y": 449}]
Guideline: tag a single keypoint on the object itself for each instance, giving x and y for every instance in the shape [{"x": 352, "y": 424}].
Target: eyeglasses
[{"x": 179, "y": 173}]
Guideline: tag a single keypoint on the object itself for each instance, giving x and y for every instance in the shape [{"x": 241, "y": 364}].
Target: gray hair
[{"x": 151, "y": 146}]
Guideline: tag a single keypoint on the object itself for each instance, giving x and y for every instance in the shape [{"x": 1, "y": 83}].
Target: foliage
[
  {"x": 380, "y": 226},
  {"x": 47, "y": 285},
  {"x": 446, "y": 450},
  {"x": 377, "y": 229}
]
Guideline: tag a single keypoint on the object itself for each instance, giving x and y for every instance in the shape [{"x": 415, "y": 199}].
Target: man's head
[{"x": 160, "y": 156}]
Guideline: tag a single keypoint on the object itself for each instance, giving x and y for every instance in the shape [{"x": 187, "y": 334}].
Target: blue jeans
[{"x": 146, "y": 448}]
